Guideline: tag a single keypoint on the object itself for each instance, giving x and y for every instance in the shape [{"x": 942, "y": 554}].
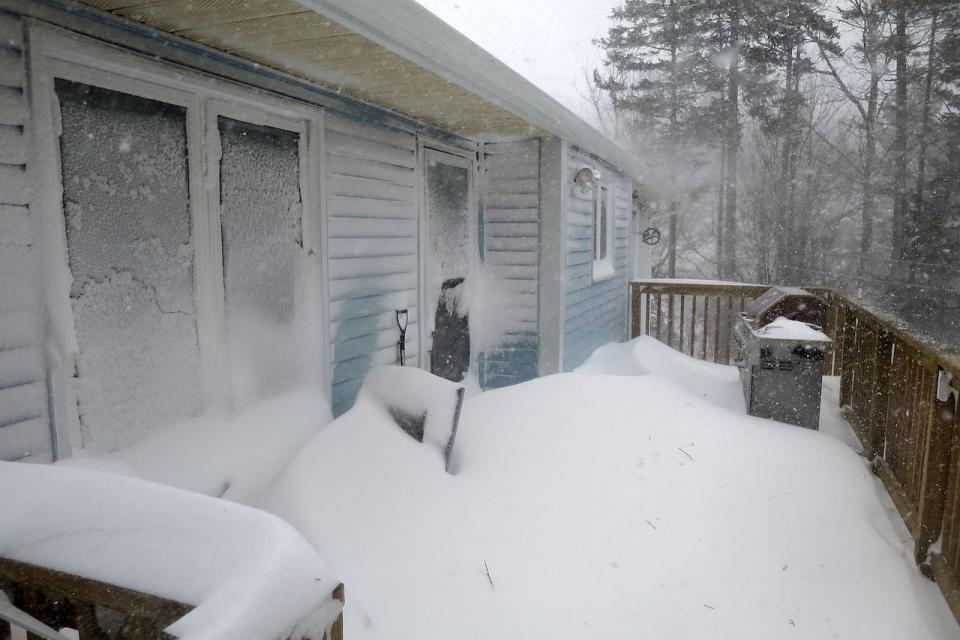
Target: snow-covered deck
[{"x": 633, "y": 498}]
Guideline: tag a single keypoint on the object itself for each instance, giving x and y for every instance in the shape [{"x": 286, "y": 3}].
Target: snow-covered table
[{"x": 195, "y": 566}]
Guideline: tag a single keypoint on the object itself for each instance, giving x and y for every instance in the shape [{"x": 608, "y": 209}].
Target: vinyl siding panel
[
  {"x": 594, "y": 312},
  {"x": 510, "y": 203},
  {"x": 373, "y": 265},
  {"x": 24, "y": 421}
]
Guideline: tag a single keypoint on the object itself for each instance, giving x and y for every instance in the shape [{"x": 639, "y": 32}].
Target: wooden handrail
[{"x": 61, "y": 599}]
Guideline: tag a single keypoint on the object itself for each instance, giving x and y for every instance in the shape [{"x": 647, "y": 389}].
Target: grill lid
[{"x": 792, "y": 303}]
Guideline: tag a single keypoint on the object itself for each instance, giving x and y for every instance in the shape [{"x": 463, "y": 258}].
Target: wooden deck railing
[
  {"x": 898, "y": 393},
  {"x": 93, "y": 610}
]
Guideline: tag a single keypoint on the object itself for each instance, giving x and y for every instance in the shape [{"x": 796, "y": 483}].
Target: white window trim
[
  {"x": 603, "y": 268},
  {"x": 58, "y": 53}
]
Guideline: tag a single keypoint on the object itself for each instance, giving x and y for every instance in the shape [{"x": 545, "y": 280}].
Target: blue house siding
[
  {"x": 594, "y": 312},
  {"x": 510, "y": 206},
  {"x": 24, "y": 416},
  {"x": 373, "y": 265}
]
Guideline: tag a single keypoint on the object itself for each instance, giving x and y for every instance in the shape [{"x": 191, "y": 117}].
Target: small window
[{"x": 602, "y": 234}]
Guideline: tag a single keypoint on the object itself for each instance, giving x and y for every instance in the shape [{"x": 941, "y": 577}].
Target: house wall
[
  {"x": 510, "y": 213},
  {"x": 594, "y": 312},
  {"x": 24, "y": 423},
  {"x": 373, "y": 220},
  {"x": 372, "y": 183}
]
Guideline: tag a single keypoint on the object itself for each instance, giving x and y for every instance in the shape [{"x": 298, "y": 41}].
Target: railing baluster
[
  {"x": 727, "y": 339},
  {"x": 706, "y": 324},
  {"x": 693, "y": 322},
  {"x": 716, "y": 332},
  {"x": 659, "y": 313},
  {"x": 646, "y": 323},
  {"x": 670, "y": 320},
  {"x": 881, "y": 397},
  {"x": 683, "y": 322},
  {"x": 939, "y": 438},
  {"x": 849, "y": 348}
]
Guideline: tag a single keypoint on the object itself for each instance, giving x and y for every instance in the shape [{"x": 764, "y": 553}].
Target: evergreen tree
[
  {"x": 654, "y": 73},
  {"x": 777, "y": 62}
]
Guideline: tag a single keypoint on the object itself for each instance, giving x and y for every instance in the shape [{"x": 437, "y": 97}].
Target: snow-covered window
[
  {"x": 260, "y": 212},
  {"x": 448, "y": 213},
  {"x": 126, "y": 205},
  {"x": 602, "y": 234}
]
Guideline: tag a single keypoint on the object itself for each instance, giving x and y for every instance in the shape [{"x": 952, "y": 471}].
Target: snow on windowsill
[{"x": 603, "y": 270}]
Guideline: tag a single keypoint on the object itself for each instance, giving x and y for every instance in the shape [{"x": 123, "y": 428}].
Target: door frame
[
  {"x": 429, "y": 149},
  {"x": 59, "y": 53}
]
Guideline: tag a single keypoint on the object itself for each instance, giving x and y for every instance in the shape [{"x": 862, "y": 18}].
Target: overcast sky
[{"x": 546, "y": 41}]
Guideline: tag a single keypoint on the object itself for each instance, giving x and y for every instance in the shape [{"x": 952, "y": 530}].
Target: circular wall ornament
[{"x": 650, "y": 236}]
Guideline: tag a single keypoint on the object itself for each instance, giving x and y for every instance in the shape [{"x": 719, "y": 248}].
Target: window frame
[
  {"x": 58, "y": 53},
  {"x": 602, "y": 267}
]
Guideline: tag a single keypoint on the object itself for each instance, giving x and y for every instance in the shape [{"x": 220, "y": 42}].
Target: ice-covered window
[
  {"x": 127, "y": 213},
  {"x": 602, "y": 234},
  {"x": 260, "y": 211},
  {"x": 448, "y": 212}
]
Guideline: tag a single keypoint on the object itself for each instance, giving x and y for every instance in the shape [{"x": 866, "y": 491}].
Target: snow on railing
[
  {"x": 36, "y": 602},
  {"x": 107, "y": 556},
  {"x": 898, "y": 392}
]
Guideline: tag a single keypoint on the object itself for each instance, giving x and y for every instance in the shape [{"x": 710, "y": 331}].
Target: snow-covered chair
[{"x": 426, "y": 406}]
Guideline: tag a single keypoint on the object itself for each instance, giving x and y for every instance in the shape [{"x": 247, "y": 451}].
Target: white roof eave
[{"x": 407, "y": 29}]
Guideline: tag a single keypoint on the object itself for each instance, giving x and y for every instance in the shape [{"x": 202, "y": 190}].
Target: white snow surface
[
  {"x": 793, "y": 330},
  {"x": 639, "y": 505},
  {"x": 249, "y": 574},
  {"x": 231, "y": 457}
]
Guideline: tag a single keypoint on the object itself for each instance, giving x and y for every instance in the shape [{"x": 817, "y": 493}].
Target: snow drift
[
  {"x": 250, "y": 575},
  {"x": 599, "y": 506}
]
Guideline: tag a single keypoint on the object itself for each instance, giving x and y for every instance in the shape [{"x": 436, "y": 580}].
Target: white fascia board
[{"x": 407, "y": 29}]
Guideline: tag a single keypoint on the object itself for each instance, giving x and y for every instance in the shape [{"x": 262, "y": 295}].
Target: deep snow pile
[
  {"x": 250, "y": 575},
  {"x": 644, "y": 505},
  {"x": 230, "y": 457}
]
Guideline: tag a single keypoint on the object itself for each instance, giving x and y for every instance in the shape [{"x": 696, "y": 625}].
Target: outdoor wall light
[{"x": 586, "y": 178}]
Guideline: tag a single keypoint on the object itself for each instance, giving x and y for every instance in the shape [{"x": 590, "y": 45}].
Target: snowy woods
[{"x": 797, "y": 141}]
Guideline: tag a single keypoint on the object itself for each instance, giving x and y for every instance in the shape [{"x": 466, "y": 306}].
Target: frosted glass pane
[
  {"x": 127, "y": 214},
  {"x": 448, "y": 210},
  {"x": 260, "y": 209}
]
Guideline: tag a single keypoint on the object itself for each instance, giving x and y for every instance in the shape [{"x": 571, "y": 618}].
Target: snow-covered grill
[{"x": 780, "y": 353}]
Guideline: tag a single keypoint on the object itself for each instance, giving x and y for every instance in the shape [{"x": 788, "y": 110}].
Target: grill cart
[{"x": 780, "y": 353}]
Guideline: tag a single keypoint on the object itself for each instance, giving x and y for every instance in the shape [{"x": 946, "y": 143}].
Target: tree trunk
[
  {"x": 672, "y": 246},
  {"x": 919, "y": 210},
  {"x": 901, "y": 218},
  {"x": 868, "y": 203},
  {"x": 674, "y": 112},
  {"x": 786, "y": 255},
  {"x": 721, "y": 196},
  {"x": 733, "y": 147}
]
